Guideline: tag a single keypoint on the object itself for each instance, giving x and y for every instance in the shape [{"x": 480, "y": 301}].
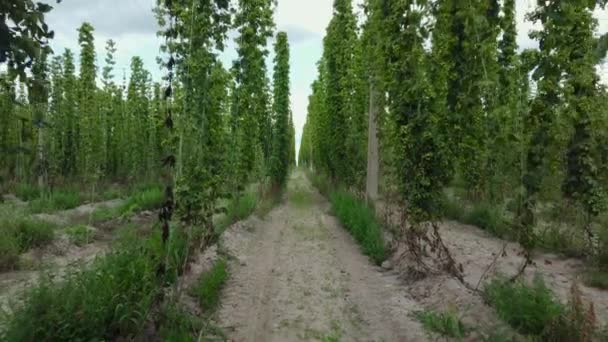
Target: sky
[{"x": 132, "y": 25}]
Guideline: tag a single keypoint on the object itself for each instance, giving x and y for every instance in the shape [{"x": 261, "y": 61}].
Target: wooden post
[{"x": 371, "y": 190}]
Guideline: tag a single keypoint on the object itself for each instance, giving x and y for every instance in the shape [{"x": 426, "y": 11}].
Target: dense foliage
[
  {"x": 283, "y": 149},
  {"x": 462, "y": 111},
  {"x": 71, "y": 121}
]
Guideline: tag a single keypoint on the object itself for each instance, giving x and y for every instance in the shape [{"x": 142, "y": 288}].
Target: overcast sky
[{"x": 132, "y": 25}]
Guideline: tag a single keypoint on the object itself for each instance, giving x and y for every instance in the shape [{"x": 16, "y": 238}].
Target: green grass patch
[
  {"x": 360, "y": 221},
  {"x": 528, "y": 309},
  {"x": 597, "y": 278},
  {"x": 55, "y": 201},
  {"x": 80, "y": 235},
  {"x": 27, "y": 192},
  {"x": 321, "y": 183},
  {"x": 452, "y": 209},
  {"x": 486, "y": 216},
  {"x": 533, "y": 311},
  {"x": 20, "y": 234},
  {"x": 335, "y": 335},
  {"x": 177, "y": 325},
  {"x": 447, "y": 324},
  {"x": 242, "y": 207},
  {"x": 565, "y": 241},
  {"x": 209, "y": 286},
  {"x": 111, "y": 193},
  {"x": 237, "y": 209},
  {"x": 9, "y": 253},
  {"x": 597, "y": 274},
  {"x": 146, "y": 199},
  {"x": 110, "y": 298},
  {"x": 104, "y": 213},
  {"x": 489, "y": 218},
  {"x": 601, "y": 258},
  {"x": 31, "y": 233},
  {"x": 300, "y": 198}
]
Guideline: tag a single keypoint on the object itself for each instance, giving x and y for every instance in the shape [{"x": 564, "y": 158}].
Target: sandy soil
[
  {"x": 56, "y": 258},
  {"x": 79, "y": 214},
  {"x": 477, "y": 250},
  {"x": 12, "y": 284},
  {"x": 298, "y": 276}
]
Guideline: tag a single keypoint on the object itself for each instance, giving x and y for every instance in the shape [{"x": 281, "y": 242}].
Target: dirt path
[{"x": 299, "y": 276}]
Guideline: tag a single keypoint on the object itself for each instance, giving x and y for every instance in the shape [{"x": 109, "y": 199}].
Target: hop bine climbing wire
[{"x": 169, "y": 162}]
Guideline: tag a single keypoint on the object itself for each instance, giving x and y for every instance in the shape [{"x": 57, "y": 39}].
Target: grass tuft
[
  {"x": 597, "y": 275},
  {"x": 237, "y": 209},
  {"x": 361, "y": 221},
  {"x": 104, "y": 213},
  {"x": 9, "y": 253},
  {"x": 27, "y": 192},
  {"x": 486, "y": 216},
  {"x": 209, "y": 286},
  {"x": 146, "y": 199},
  {"x": 446, "y": 324},
  {"x": 80, "y": 235},
  {"x": 528, "y": 309},
  {"x": 452, "y": 209},
  {"x": 32, "y": 233},
  {"x": 110, "y": 298},
  {"x": 564, "y": 241},
  {"x": 321, "y": 183},
  {"x": 20, "y": 234},
  {"x": 596, "y": 278},
  {"x": 489, "y": 218},
  {"x": 54, "y": 201},
  {"x": 176, "y": 324},
  {"x": 241, "y": 208}
]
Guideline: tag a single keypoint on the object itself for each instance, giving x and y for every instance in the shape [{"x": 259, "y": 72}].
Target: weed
[
  {"x": 489, "y": 218},
  {"x": 333, "y": 336},
  {"x": 210, "y": 284},
  {"x": 596, "y": 278},
  {"x": 597, "y": 274},
  {"x": 483, "y": 215},
  {"x": 241, "y": 208},
  {"x": 147, "y": 199},
  {"x": 19, "y": 234},
  {"x": 528, "y": 309},
  {"x": 111, "y": 193},
  {"x": 267, "y": 202},
  {"x": 54, "y": 201},
  {"x": 452, "y": 209},
  {"x": 237, "y": 209},
  {"x": 177, "y": 325},
  {"x": 563, "y": 241},
  {"x": 9, "y": 253},
  {"x": 501, "y": 333},
  {"x": 27, "y": 192},
  {"x": 577, "y": 323},
  {"x": 446, "y": 324},
  {"x": 601, "y": 258},
  {"x": 321, "y": 182},
  {"x": 104, "y": 213},
  {"x": 113, "y": 297},
  {"x": 32, "y": 233},
  {"x": 80, "y": 235},
  {"x": 361, "y": 221}
]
